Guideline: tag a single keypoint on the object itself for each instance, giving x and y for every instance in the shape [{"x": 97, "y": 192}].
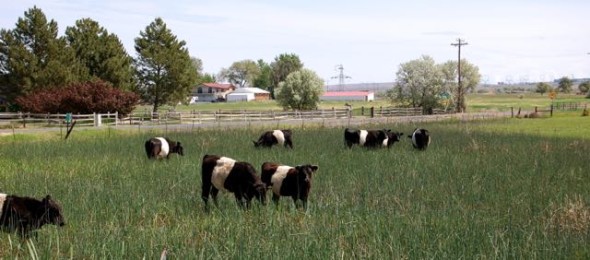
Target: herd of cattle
[{"x": 25, "y": 215}]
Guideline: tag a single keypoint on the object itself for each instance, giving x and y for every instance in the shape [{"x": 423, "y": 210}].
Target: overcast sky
[{"x": 510, "y": 41}]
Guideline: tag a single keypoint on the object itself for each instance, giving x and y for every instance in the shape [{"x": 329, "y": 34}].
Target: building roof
[
  {"x": 346, "y": 93},
  {"x": 250, "y": 90},
  {"x": 224, "y": 86}
]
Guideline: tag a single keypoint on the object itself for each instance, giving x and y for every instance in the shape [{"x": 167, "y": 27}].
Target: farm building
[
  {"x": 208, "y": 92},
  {"x": 348, "y": 96},
  {"x": 248, "y": 94}
]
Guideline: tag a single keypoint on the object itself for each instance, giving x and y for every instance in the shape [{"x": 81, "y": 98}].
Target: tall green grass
[{"x": 482, "y": 190}]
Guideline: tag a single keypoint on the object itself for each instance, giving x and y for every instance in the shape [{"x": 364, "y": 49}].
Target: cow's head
[
  {"x": 393, "y": 137},
  {"x": 258, "y": 188},
  {"x": 177, "y": 149},
  {"x": 52, "y": 212},
  {"x": 260, "y": 192},
  {"x": 257, "y": 143},
  {"x": 305, "y": 172}
]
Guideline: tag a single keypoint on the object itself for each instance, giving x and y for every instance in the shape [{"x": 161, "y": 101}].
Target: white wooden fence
[{"x": 28, "y": 120}]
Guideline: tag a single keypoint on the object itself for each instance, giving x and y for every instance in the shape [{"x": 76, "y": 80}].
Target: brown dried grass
[{"x": 573, "y": 216}]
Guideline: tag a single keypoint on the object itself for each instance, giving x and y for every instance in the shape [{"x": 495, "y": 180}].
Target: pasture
[{"x": 509, "y": 188}]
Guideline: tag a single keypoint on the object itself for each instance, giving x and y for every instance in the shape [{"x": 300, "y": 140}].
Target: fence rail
[{"x": 219, "y": 116}]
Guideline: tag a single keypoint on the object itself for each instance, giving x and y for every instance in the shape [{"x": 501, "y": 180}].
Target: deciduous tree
[
  {"x": 301, "y": 90},
  {"x": 565, "y": 85},
  {"x": 163, "y": 66},
  {"x": 419, "y": 83},
  {"x": 470, "y": 78},
  {"x": 85, "y": 98},
  {"x": 281, "y": 67},
  {"x": 264, "y": 79},
  {"x": 543, "y": 87},
  {"x": 241, "y": 73},
  {"x": 584, "y": 87}
]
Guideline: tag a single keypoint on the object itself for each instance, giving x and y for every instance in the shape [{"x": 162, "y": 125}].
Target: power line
[{"x": 460, "y": 104}]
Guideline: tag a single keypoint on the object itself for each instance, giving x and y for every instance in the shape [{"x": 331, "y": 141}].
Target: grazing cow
[
  {"x": 270, "y": 138},
  {"x": 288, "y": 181},
  {"x": 371, "y": 138},
  {"x": 161, "y": 147},
  {"x": 420, "y": 138},
  {"x": 223, "y": 173},
  {"x": 25, "y": 215}
]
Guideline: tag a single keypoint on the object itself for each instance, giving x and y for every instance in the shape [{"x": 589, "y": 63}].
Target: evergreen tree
[
  {"x": 163, "y": 66},
  {"x": 32, "y": 57},
  {"x": 102, "y": 54}
]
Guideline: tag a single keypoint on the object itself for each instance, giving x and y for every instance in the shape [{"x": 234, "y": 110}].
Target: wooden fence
[{"x": 25, "y": 120}]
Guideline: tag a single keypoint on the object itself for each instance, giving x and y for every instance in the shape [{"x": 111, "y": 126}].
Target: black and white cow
[
  {"x": 270, "y": 138},
  {"x": 227, "y": 174},
  {"x": 284, "y": 180},
  {"x": 371, "y": 138},
  {"x": 162, "y": 147},
  {"x": 24, "y": 215},
  {"x": 420, "y": 138}
]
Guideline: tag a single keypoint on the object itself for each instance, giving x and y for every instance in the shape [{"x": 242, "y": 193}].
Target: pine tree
[
  {"x": 163, "y": 67},
  {"x": 102, "y": 54},
  {"x": 32, "y": 57}
]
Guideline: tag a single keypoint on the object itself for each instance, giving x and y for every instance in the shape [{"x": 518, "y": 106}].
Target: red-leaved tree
[{"x": 84, "y": 98}]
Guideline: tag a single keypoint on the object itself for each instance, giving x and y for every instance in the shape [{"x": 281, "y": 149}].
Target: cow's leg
[
  {"x": 214, "y": 192},
  {"x": 205, "y": 190},
  {"x": 289, "y": 143},
  {"x": 349, "y": 144},
  {"x": 275, "y": 199},
  {"x": 239, "y": 198}
]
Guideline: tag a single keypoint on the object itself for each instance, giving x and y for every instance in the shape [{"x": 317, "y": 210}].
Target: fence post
[
  {"x": 372, "y": 112},
  {"x": 535, "y": 109},
  {"x": 551, "y": 110},
  {"x": 362, "y": 110},
  {"x": 512, "y": 112}
]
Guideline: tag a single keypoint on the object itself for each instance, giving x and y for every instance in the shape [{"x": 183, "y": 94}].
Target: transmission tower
[{"x": 340, "y": 76}]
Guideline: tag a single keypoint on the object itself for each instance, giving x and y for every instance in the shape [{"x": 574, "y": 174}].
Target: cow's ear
[
  {"x": 314, "y": 168},
  {"x": 47, "y": 199}
]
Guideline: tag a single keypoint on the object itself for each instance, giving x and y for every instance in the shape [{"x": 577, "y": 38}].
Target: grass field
[
  {"x": 512, "y": 188},
  {"x": 475, "y": 102}
]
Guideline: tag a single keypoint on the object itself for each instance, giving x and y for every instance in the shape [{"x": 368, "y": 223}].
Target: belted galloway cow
[
  {"x": 162, "y": 147},
  {"x": 371, "y": 138},
  {"x": 420, "y": 138},
  {"x": 270, "y": 138},
  {"x": 284, "y": 180},
  {"x": 226, "y": 174},
  {"x": 25, "y": 215}
]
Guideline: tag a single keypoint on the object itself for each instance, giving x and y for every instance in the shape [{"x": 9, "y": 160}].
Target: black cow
[
  {"x": 420, "y": 138},
  {"x": 371, "y": 138},
  {"x": 162, "y": 147},
  {"x": 24, "y": 215},
  {"x": 288, "y": 181},
  {"x": 239, "y": 178},
  {"x": 270, "y": 138}
]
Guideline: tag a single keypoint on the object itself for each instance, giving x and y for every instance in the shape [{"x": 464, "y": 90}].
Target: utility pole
[{"x": 460, "y": 107}]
